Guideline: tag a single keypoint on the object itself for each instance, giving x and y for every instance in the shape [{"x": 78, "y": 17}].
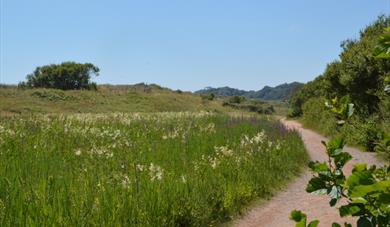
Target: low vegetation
[
  {"x": 107, "y": 98},
  {"x": 260, "y": 107},
  {"x": 163, "y": 169}
]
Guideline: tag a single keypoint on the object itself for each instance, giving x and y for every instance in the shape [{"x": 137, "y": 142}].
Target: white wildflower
[
  {"x": 126, "y": 182},
  {"x": 140, "y": 167},
  {"x": 213, "y": 162},
  {"x": 278, "y": 146},
  {"x": 224, "y": 150},
  {"x": 183, "y": 179},
  {"x": 259, "y": 137},
  {"x": 155, "y": 172},
  {"x": 78, "y": 152}
]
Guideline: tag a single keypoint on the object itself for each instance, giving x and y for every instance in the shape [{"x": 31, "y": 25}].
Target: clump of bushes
[
  {"x": 251, "y": 106},
  {"x": 362, "y": 73},
  {"x": 209, "y": 97},
  {"x": 237, "y": 99},
  {"x": 64, "y": 76}
]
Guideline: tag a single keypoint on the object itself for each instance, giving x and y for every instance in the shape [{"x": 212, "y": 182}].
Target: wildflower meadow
[{"x": 160, "y": 169}]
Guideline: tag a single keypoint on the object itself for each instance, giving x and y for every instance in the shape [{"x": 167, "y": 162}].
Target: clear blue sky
[{"x": 186, "y": 44}]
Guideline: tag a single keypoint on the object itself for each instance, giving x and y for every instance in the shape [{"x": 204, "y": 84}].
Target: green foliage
[
  {"x": 301, "y": 219},
  {"x": 52, "y": 95},
  {"x": 117, "y": 169},
  {"x": 370, "y": 133},
  {"x": 209, "y": 97},
  {"x": 236, "y": 99},
  {"x": 318, "y": 116},
  {"x": 383, "y": 144},
  {"x": 65, "y": 76},
  {"x": 367, "y": 190},
  {"x": 382, "y": 50},
  {"x": 358, "y": 73},
  {"x": 342, "y": 108},
  {"x": 362, "y": 73},
  {"x": 260, "y": 107},
  {"x": 309, "y": 90}
]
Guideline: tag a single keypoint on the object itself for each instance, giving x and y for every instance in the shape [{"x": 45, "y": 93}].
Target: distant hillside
[
  {"x": 108, "y": 98},
  {"x": 280, "y": 92}
]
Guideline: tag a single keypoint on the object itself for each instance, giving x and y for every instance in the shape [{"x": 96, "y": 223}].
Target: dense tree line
[
  {"x": 361, "y": 75},
  {"x": 65, "y": 76}
]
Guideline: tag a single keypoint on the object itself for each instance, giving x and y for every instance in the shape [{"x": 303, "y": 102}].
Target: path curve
[{"x": 276, "y": 211}]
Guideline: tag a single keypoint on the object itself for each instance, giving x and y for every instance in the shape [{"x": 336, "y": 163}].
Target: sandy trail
[{"x": 275, "y": 212}]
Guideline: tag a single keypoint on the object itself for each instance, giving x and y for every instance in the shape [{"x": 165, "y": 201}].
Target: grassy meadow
[
  {"x": 140, "y": 169},
  {"x": 107, "y": 99}
]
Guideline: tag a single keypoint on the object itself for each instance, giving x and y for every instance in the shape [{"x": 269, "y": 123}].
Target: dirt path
[{"x": 275, "y": 213}]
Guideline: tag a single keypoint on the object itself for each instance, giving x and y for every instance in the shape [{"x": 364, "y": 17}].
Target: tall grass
[{"x": 167, "y": 169}]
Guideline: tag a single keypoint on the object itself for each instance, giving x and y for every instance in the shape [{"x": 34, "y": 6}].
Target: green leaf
[
  {"x": 298, "y": 217},
  {"x": 360, "y": 176},
  {"x": 313, "y": 223},
  {"x": 359, "y": 200},
  {"x": 333, "y": 202},
  {"x": 349, "y": 209},
  {"x": 334, "y": 224},
  {"x": 359, "y": 167},
  {"x": 335, "y": 145},
  {"x": 318, "y": 167},
  {"x": 362, "y": 190},
  {"x": 315, "y": 184},
  {"x": 341, "y": 159}
]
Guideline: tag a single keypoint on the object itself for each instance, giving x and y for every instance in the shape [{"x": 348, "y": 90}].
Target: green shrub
[
  {"x": 318, "y": 117},
  {"x": 209, "y": 97},
  {"x": 383, "y": 144},
  {"x": 65, "y": 76},
  {"x": 370, "y": 135},
  {"x": 237, "y": 99},
  {"x": 366, "y": 191}
]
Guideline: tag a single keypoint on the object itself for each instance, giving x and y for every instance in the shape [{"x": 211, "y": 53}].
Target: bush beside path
[{"x": 276, "y": 212}]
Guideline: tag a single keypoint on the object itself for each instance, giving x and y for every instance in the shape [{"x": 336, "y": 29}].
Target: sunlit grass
[{"x": 167, "y": 169}]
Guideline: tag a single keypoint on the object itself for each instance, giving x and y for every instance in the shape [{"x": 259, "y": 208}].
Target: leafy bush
[
  {"x": 370, "y": 135},
  {"x": 362, "y": 73},
  {"x": 209, "y": 97},
  {"x": 65, "y": 76},
  {"x": 237, "y": 99},
  {"x": 367, "y": 190},
  {"x": 383, "y": 144},
  {"x": 317, "y": 116}
]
